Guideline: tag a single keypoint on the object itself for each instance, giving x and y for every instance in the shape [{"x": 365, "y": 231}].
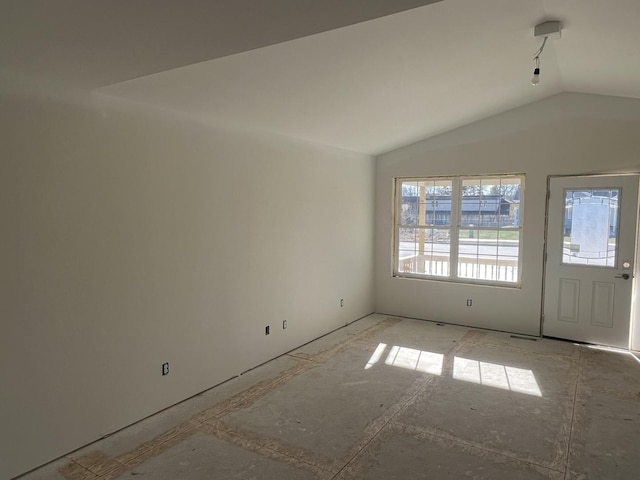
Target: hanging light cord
[{"x": 536, "y": 57}]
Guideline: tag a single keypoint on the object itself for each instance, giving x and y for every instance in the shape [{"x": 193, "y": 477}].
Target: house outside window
[{"x": 463, "y": 228}]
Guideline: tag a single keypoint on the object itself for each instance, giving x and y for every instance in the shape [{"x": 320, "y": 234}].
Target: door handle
[{"x": 626, "y": 276}]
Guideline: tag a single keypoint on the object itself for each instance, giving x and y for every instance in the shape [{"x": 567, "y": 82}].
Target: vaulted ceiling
[{"x": 364, "y": 75}]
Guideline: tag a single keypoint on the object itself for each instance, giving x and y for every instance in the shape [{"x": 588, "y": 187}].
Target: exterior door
[{"x": 589, "y": 267}]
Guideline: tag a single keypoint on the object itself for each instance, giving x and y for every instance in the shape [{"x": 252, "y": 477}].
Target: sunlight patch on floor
[
  {"x": 467, "y": 370},
  {"x": 408, "y": 358},
  {"x": 496, "y": 375},
  {"x": 413, "y": 359},
  {"x": 375, "y": 357}
]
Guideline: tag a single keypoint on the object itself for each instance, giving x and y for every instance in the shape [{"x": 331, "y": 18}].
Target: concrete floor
[{"x": 386, "y": 398}]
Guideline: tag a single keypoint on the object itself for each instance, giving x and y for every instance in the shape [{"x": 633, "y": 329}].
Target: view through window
[{"x": 459, "y": 228}]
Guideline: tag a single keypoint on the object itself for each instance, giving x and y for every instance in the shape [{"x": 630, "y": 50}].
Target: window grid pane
[
  {"x": 424, "y": 251},
  {"x": 490, "y": 202}
]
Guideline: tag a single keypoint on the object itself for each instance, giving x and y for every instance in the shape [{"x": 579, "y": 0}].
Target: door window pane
[{"x": 590, "y": 227}]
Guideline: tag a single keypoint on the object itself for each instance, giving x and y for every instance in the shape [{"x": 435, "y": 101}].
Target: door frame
[{"x": 634, "y": 320}]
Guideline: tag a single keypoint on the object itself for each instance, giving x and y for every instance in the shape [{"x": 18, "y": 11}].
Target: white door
[{"x": 591, "y": 234}]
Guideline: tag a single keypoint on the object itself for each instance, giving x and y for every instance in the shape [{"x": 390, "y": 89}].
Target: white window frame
[{"x": 455, "y": 228}]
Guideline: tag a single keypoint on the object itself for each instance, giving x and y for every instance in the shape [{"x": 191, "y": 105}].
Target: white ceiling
[
  {"x": 316, "y": 70},
  {"x": 59, "y": 44}
]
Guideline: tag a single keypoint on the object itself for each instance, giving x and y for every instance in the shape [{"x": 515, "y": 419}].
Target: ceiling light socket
[{"x": 550, "y": 28}]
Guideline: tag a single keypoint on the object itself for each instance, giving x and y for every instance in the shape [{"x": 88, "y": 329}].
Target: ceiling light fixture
[
  {"x": 547, "y": 29},
  {"x": 535, "y": 80}
]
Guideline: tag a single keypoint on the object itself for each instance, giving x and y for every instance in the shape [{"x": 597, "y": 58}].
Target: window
[{"x": 459, "y": 228}]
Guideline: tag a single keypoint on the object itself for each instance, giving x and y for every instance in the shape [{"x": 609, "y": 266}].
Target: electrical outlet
[
  {"x": 165, "y": 369},
  {"x": 342, "y": 302},
  {"x": 266, "y": 330},
  {"x": 469, "y": 302},
  {"x": 284, "y": 324}
]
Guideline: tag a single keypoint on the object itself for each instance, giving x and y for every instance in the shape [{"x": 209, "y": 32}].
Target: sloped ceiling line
[{"x": 355, "y": 74}]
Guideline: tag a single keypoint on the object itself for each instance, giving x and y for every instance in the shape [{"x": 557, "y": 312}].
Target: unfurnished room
[{"x": 319, "y": 239}]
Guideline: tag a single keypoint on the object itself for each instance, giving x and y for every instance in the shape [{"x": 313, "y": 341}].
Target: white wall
[
  {"x": 565, "y": 134},
  {"x": 132, "y": 238}
]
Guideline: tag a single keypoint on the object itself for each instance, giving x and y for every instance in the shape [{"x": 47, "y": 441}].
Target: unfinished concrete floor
[{"x": 387, "y": 398}]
